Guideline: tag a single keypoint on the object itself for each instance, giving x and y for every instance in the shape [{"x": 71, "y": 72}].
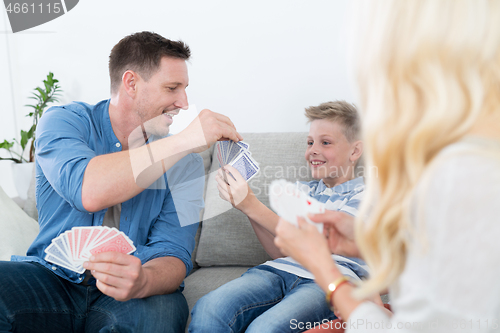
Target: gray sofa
[{"x": 226, "y": 244}]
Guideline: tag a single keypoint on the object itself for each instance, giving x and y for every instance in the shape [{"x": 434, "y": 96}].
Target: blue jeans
[
  {"x": 33, "y": 299},
  {"x": 264, "y": 299}
]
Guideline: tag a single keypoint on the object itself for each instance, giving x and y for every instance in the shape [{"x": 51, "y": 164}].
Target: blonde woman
[{"x": 429, "y": 79}]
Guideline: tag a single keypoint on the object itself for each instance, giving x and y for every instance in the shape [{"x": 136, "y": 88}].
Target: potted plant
[{"x": 43, "y": 97}]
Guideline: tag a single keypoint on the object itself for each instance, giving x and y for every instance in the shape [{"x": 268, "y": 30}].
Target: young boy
[{"x": 280, "y": 295}]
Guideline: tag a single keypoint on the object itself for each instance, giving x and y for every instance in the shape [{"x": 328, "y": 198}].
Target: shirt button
[
  {"x": 54, "y": 268},
  {"x": 117, "y": 145}
]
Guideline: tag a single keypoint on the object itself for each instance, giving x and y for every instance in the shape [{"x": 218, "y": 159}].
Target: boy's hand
[{"x": 234, "y": 190}]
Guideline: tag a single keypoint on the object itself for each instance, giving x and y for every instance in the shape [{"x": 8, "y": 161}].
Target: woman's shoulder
[{"x": 471, "y": 160}]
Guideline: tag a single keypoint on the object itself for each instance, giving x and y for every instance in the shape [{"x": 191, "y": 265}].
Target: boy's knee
[
  {"x": 210, "y": 313},
  {"x": 207, "y": 305}
]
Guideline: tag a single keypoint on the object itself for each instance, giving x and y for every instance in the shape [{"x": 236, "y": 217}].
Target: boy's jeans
[
  {"x": 264, "y": 299},
  {"x": 33, "y": 299}
]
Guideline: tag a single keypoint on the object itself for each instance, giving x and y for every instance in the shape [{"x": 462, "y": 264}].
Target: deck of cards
[
  {"x": 72, "y": 248},
  {"x": 289, "y": 202},
  {"x": 237, "y": 155}
]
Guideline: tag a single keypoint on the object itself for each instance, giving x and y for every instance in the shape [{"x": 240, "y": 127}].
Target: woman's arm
[{"x": 310, "y": 248}]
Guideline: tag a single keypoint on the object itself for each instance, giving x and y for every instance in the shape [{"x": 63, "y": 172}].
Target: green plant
[{"x": 43, "y": 97}]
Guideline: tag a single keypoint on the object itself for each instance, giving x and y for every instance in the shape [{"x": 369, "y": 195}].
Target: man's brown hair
[
  {"x": 341, "y": 111},
  {"x": 142, "y": 52}
]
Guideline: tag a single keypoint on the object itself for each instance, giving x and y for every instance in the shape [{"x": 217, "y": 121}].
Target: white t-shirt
[{"x": 451, "y": 281}]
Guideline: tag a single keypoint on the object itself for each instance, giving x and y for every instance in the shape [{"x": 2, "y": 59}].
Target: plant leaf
[
  {"x": 6, "y": 144},
  {"x": 24, "y": 139},
  {"x": 31, "y": 132},
  {"x": 42, "y": 93},
  {"x": 48, "y": 87}
]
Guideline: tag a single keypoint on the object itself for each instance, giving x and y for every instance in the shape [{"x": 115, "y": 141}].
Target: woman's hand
[
  {"x": 339, "y": 230},
  {"x": 234, "y": 190},
  {"x": 304, "y": 244}
]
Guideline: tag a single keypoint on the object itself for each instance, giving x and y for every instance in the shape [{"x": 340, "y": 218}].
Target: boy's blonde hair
[
  {"x": 427, "y": 70},
  {"x": 339, "y": 111}
]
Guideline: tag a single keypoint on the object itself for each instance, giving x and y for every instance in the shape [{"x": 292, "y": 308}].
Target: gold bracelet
[{"x": 334, "y": 286}]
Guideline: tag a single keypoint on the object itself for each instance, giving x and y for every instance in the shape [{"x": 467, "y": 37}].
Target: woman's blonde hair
[{"x": 427, "y": 70}]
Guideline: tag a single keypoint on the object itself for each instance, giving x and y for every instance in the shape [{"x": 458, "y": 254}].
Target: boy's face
[{"x": 329, "y": 152}]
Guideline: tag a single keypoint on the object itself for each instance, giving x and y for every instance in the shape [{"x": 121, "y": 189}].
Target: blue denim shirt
[{"x": 161, "y": 221}]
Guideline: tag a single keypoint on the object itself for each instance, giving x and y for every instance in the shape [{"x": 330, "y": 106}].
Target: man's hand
[
  {"x": 118, "y": 275},
  {"x": 207, "y": 128},
  {"x": 339, "y": 231},
  {"x": 234, "y": 190}
]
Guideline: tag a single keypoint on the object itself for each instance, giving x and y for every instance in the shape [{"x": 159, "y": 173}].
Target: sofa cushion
[
  {"x": 207, "y": 162},
  {"x": 18, "y": 229},
  {"x": 227, "y": 238},
  {"x": 30, "y": 203},
  {"x": 204, "y": 280}
]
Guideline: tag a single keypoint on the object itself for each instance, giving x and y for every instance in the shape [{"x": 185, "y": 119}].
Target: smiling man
[{"x": 90, "y": 159}]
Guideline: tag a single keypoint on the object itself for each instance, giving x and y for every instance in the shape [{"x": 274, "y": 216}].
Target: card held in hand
[
  {"x": 72, "y": 248},
  {"x": 238, "y": 155},
  {"x": 289, "y": 202}
]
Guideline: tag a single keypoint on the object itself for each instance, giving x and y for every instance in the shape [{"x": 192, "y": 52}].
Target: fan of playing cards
[
  {"x": 237, "y": 155},
  {"x": 72, "y": 248},
  {"x": 289, "y": 202}
]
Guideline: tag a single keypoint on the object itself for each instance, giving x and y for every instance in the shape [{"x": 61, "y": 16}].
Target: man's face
[
  {"x": 328, "y": 152},
  {"x": 162, "y": 96}
]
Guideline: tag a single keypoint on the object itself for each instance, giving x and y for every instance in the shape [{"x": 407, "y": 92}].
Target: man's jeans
[
  {"x": 33, "y": 299},
  {"x": 264, "y": 299}
]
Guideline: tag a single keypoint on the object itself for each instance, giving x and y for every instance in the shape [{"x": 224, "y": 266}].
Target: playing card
[
  {"x": 103, "y": 237},
  {"x": 290, "y": 203},
  {"x": 83, "y": 237},
  {"x": 246, "y": 166},
  {"x": 60, "y": 243},
  {"x": 239, "y": 156},
  {"x": 71, "y": 243},
  {"x": 233, "y": 152},
  {"x": 285, "y": 200},
  {"x": 243, "y": 145},
  {"x": 219, "y": 155},
  {"x": 57, "y": 261},
  {"x": 117, "y": 243},
  {"x": 56, "y": 252},
  {"x": 94, "y": 232},
  {"x": 72, "y": 248},
  {"x": 96, "y": 235}
]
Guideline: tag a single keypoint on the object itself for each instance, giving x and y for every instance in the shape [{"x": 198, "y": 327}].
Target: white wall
[{"x": 259, "y": 62}]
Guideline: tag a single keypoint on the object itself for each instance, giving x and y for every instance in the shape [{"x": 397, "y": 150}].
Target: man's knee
[{"x": 160, "y": 313}]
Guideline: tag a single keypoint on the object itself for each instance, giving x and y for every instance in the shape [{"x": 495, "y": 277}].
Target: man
[{"x": 93, "y": 168}]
